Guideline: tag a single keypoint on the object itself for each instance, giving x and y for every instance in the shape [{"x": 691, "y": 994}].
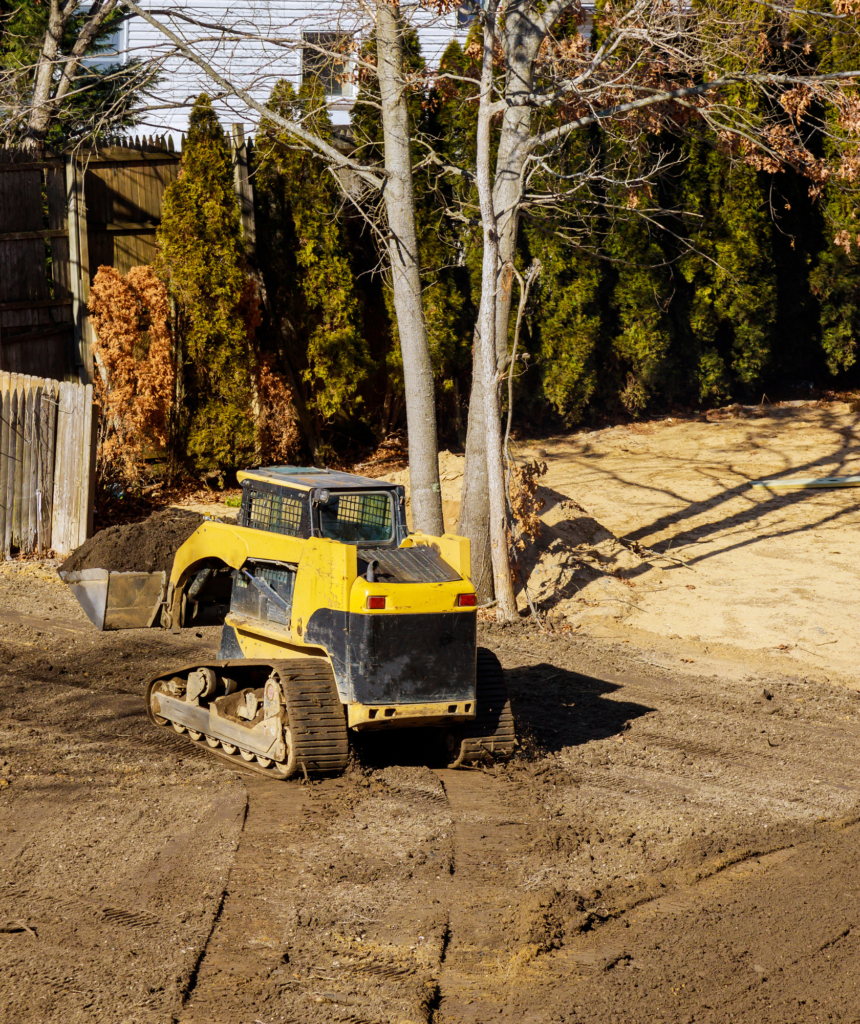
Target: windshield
[{"x": 356, "y": 518}]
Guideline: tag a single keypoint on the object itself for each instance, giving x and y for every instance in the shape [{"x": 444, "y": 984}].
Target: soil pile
[
  {"x": 574, "y": 552},
  {"x": 149, "y": 546}
]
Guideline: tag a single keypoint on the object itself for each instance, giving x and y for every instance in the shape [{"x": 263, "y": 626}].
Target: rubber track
[
  {"x": 316, "y": 715},
  {"x": 317, "y": 721},
  {"x": 492, "y": 733}
]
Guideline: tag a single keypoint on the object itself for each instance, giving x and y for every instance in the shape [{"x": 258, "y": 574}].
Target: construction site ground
[{"x": 675, "y": 840}]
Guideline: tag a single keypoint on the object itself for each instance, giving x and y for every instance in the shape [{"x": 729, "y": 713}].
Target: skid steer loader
[{"x": 335, "y": 620}]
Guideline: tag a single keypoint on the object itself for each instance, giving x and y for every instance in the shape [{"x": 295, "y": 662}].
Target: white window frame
[
  {"x": 119, "y": 55},
  {"x": 350, "y": 90}
]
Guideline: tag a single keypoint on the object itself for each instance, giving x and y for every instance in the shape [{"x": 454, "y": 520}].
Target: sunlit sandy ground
[{"x": 772, "y": 572}]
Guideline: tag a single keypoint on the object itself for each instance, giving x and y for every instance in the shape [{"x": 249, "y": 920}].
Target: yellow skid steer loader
[{"x": 335, "y": 619}]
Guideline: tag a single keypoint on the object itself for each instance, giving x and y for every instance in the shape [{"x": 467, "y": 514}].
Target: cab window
[
  {"x": 365, "y": 517},
  {"x": 276, "y": 511}
]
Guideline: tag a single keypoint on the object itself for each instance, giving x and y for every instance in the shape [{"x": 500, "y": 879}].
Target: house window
[
  {"x": 466, "y": 14},
  {"x": 326, "y": 56},
  {"x": 113, "y": 48}
]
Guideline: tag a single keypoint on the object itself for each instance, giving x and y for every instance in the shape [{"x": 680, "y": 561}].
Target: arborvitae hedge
[
  {"x": 306, "y": 261},
  {"x": 202, "y": 260},
  {"x": 713, "y": 283}
]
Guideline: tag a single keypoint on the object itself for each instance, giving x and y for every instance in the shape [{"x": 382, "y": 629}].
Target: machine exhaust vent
[{"x": 407, "y": 565}]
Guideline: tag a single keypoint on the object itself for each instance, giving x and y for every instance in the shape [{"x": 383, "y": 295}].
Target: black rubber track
[
  {"x": 491, "y": 736},
  {"x": 317, "y": 722}
]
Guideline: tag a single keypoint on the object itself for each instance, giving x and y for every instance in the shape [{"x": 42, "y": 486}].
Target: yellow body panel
[
  {"x": 327, "y": 577},
  {"x": 455, "y": 550},
  {"x": 327, "y": 570},
  {"x": 234, "y": 545},
  {"x": 380, "y": 716},
  {"x": 292, "y": 483}
]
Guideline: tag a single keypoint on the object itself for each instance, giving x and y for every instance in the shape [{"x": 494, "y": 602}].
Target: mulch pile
[{"x": 149, "y": 546}]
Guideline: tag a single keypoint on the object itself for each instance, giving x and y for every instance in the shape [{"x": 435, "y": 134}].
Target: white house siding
[{"x": 258, "y": 46}]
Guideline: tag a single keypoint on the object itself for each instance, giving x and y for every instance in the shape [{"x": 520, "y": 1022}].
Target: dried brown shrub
[
  {"x": 136, "y": 375},
  {"x": 278, "y": 435},
  {"x": 525, "y": 503}
]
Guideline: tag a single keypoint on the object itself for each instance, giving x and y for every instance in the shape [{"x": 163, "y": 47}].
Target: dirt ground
[{"x": 675, "y": 840}]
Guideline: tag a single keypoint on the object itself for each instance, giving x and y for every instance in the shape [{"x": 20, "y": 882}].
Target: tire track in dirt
[
  {"x": 332, "y": 911},
  {"x": 489, "y": 918},
  {"x": 246, "y": 943}
]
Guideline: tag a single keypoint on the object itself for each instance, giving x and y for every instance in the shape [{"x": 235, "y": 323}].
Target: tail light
[
  {"x": 375, "y": 603},
  {"x": 467, "y": 600}
]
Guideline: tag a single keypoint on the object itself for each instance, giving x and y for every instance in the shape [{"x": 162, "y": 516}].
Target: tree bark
[
  {"x": 399, "y": 198},
  {"x": 48, "y": 92},
  {"x": 521, "y": 42},
  {"x": 474, "y": 520},
  {"x": 487, "y": 366}
]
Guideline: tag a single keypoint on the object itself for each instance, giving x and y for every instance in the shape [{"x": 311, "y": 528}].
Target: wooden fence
[
  {"x": 61, "y": 218},
  {"x": 47, "y": 464}
]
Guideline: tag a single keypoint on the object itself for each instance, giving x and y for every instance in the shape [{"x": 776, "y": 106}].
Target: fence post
[{"x": 79, "y": 265}]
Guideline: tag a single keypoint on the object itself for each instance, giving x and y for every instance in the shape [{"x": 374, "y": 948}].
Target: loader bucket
[{"x": 118, "y": 600}]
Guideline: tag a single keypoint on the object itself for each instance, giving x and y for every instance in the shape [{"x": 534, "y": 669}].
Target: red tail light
[
  {"x": 375, "y": 603},
  {"x": 467, "y": 600}
]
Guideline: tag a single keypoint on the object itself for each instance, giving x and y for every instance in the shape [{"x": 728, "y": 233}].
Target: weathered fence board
[
  {"x": 47, "y": 464},
  {"x": 35, "y": 327}
]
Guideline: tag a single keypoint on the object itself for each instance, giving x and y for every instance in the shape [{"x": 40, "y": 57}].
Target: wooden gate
[
  {"x": 64, "y": 216},
  {"x": 36, "y": 326}
]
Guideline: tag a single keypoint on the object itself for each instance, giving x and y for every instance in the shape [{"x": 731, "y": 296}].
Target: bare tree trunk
[
  {"x": 474, "y": 519},
  {"x": 426, "y": 494},
  {"x": 513, "y": 150},
  {"x": 487, "y": 364},
  {"x": 49, "y": 88},
  {"x": 40, "y": 114},
  {"x": 522, "y": 42}
]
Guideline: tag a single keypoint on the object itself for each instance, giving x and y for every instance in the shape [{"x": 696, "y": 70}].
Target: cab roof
[{"x": 305, "y": 478}]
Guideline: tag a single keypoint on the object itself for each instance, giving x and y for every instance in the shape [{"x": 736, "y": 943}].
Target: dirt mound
[
  {"x": 573, "y": 553},
  {"x": 149, "y": 546},
  {"x": 577, "y": 566}
]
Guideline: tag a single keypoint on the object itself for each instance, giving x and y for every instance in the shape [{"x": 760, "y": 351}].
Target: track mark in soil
[
  {"x": 491, "y": 918},
  {"x": 244, "y": 946},
  {"x": 739, "y": 945},
  {"x": 334, "y": 908},
  {"x": 129, "y": 918}
]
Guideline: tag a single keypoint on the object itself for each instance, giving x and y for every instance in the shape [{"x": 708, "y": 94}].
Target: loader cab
[
  {"x": 304, "y": 503},
  {"x": 308, "y": 502}
]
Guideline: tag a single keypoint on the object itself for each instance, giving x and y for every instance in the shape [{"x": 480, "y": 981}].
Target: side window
[
  {"x": 276, "y": 511},
  {"x": 248, "y": 599}
]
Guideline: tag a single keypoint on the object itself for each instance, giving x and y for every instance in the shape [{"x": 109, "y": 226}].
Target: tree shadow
[
  {"x": 759, "y": 503},
  {"x": 555, "y": 708}
]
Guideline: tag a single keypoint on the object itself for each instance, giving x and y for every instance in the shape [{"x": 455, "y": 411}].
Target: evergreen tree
[
  {"x": 202, "y": 259},
  {"x": 835, "y": 278},
  {"x": 566, "y": 323},
  {"x": 729, "y": 319},
  {"x": 306, "y": 260}
]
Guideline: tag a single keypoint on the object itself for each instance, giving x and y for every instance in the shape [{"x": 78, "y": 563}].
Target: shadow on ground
[
  {"x": 556, "y": 708},
  {"x": 553, "y": 709}
]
